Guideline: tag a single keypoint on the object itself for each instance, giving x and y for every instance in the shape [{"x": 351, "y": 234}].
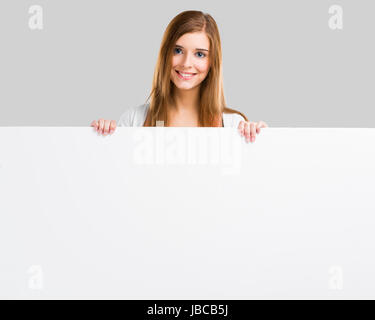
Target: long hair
[{"x": 211, "y": 95}]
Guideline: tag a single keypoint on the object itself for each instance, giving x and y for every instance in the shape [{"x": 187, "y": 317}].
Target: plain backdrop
[{"x": 95, "y": 58}]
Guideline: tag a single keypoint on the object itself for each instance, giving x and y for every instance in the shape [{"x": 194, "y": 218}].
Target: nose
[{"x": 187, "y": 61}]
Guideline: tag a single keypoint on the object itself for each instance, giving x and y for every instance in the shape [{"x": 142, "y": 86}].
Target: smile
[{"x": 185, "y": 76}]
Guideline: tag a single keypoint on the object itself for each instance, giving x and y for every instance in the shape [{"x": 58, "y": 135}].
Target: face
[{"x": 190, "y": 63}]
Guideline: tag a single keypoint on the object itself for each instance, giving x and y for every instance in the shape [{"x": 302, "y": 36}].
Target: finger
[
  {"x": 252, "y": 131},
  {"x": 261, "y": 124},
  {"x": 94, "y": 124},
  {"x": 106, "y": 126},
  {"x": 112, "y": 126},
  {"x": 257, "y": 127},
  {"x": 101, "y": 126},
  {"x": 241, "y": 127},
  {"x": 247, "y": 131}
]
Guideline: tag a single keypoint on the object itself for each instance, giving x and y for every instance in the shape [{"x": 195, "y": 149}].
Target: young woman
[{"x": 187, "y": 88}]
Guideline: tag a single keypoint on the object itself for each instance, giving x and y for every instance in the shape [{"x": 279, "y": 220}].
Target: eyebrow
[{"x": 195, "y": 49}]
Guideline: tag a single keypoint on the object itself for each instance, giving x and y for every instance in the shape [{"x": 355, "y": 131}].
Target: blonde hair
[{"x": 211, "y": 95}]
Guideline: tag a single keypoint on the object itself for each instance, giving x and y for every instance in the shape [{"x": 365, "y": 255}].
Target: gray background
[{"x": 282, "y": 63}]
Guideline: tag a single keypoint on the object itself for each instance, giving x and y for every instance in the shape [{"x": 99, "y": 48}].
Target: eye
[
  {"x": 202, "y": 54},
  {"x": 175, "y": 49}
]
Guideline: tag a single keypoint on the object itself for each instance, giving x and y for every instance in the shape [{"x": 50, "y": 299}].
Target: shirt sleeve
[{"x": 126, "y": 119}]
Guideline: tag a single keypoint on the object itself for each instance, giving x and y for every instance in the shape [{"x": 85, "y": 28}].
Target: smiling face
[{"x": 190, "y": 60}]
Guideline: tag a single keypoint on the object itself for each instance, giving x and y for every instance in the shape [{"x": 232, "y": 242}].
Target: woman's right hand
[{"x": 103, "y": 126}]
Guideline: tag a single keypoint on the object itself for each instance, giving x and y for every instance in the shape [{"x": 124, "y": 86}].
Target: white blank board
[{"x": 187, "y": 213}]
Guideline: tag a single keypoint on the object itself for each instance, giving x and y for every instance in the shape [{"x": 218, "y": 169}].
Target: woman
[{"x": 187, "y": 88}]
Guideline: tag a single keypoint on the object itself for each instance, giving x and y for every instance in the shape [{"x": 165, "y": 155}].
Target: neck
[{"x": 187, "y": 100}]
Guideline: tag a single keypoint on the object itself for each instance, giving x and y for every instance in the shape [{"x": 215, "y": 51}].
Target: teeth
[{"x": 185, "y": 74}]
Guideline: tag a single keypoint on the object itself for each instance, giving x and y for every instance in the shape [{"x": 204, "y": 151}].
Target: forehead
[{"x": 194, "y": 40}]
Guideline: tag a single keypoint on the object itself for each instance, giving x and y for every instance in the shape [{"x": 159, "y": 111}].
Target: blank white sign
[{"x": 187, "y": 213}]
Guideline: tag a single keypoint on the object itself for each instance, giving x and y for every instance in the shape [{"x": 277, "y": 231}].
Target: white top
[{"x": 136, "y": 116}]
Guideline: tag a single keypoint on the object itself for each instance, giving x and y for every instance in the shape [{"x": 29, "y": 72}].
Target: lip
[{"x": 185, "y": 78}]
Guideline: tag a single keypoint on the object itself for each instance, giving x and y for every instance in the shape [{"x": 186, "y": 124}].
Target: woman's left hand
[{"x": 250, "y": 129}]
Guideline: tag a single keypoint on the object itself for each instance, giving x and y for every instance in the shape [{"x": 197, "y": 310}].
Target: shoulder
[
  {"x": 134, "y": 116},
  {"x": 232, "y": 119}
]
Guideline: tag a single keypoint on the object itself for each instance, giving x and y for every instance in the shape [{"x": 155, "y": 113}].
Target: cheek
[
  {"x": 202, "y": 66},
  {"x": 175, "y": 61}
]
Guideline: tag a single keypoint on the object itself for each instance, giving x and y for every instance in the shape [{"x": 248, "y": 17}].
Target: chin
[{"x": 187, "y": 87}]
